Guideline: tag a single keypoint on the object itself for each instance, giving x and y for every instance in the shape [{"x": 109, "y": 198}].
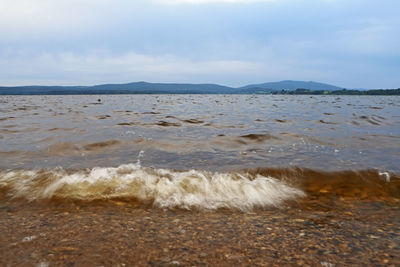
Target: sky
[{"x": 352, "y": 44}]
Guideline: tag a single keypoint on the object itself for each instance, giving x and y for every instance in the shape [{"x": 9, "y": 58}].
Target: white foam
[
  {"x": 384, "y": 175},
  {"x": 164, "y": 188}
]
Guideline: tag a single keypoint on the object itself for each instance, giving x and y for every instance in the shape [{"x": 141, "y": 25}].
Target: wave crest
[{"x": 162, "y": 187}]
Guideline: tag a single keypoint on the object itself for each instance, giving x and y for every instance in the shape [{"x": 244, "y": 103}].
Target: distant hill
[
  {"x": 128, "y": 88},
  {"x": 177, "y": 88},
  {"x": 168, "y": 88},
  {"x": 288, "y": 85}
]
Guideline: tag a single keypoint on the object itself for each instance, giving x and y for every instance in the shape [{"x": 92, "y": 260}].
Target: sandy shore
[{"x": 119, "y": 233}]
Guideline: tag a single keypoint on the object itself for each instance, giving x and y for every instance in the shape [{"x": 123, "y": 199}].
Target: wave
[
  {"x": 243, "y": 190},
  {"x": 163, "y": 188}
]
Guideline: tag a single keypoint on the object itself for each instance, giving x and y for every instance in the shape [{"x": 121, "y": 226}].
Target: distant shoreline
[
  {"x": 287, "y": 87},
  {"x": 379, "y": 92}
]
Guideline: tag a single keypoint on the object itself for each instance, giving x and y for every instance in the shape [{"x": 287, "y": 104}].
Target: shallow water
[{"x": 49, "y": 146}]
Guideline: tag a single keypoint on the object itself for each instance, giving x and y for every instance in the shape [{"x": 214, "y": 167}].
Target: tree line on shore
[{"x": 301, "y": 91}]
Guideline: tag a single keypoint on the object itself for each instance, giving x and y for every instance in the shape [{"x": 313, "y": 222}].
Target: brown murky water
[{"x": 163, "y": 180}]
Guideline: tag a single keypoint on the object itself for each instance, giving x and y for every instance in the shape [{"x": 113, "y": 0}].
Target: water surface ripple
[{"x": 207, "y": 132}]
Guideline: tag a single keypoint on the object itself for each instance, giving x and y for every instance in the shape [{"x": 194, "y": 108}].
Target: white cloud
[
  {"x": 101, "y": 66},
  {"x": 95, "y": 67}
]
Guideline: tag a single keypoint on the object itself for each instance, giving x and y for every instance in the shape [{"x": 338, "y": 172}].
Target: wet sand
[{"x": 318, "y": 232}]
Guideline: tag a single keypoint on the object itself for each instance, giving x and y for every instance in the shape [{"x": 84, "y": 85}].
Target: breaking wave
[{"x": 162, "y": 187}]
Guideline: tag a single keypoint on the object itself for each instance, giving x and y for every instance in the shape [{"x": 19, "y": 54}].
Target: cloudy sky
[{"x": 349, "y": 43}]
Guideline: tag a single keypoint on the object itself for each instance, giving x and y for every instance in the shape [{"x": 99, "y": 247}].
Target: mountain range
[{"x": 167, "y": 88}]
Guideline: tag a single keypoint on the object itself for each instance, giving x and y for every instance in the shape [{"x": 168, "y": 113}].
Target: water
[
  {"x": 162, "y": 180},
  {"x": 197, "y": 151}
]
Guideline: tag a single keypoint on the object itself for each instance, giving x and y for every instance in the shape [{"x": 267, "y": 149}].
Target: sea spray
[{"x": 163, "y": 187}]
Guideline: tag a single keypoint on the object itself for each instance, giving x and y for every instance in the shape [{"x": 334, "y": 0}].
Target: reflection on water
[{"x": 214, "y": 132}]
